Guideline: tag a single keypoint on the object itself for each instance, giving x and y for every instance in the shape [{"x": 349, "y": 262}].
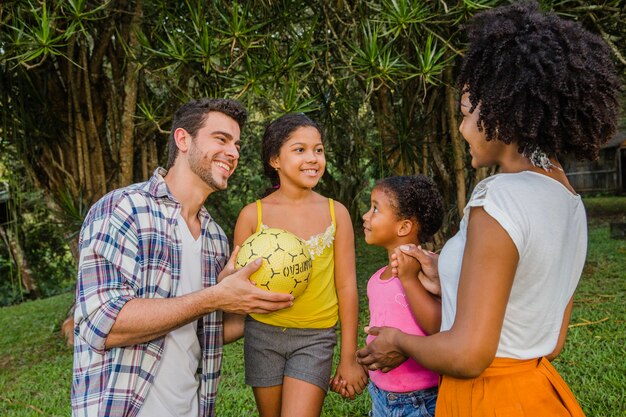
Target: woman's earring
[{"x": 541, "y": 160}]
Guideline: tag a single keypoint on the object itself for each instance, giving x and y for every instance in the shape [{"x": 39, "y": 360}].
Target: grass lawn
[{"x": 35, "y": 364}]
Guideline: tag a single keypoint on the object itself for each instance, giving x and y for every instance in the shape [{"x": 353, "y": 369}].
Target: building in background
[{"x": 605, "y": 175}]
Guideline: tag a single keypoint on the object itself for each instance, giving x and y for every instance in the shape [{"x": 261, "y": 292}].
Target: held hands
[
  {"x": 235, "y": 293},
  {"x": 404, "y": 266},
  {"x": 381, "y": 353},
  {"x": 428, "y": 273},
  {"x": 350, "y": 379}
]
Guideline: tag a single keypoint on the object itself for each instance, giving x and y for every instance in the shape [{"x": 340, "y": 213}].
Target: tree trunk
[
  {"x": 481, "y": 174},
  {"x": 79, "y": 130},
  {"x": 458, "y": 151},
  {"x": 19, "y": 258},
  {"x": 382, "y": 107},
  {"x": 130, "y": 102},
  {"x": 95, "y": 148}
]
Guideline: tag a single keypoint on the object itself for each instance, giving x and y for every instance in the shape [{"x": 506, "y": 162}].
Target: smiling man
[{"x": 148, "y": 322}]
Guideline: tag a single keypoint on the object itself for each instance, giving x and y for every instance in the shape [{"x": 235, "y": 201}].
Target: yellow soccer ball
[{"x": 286, "y": 265}]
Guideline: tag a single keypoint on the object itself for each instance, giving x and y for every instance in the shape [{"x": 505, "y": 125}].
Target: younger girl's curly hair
[
  {"x": 415, "y": 197},
  {"x": 542, "y": 82},
  {"x": 276, "y": 134}
]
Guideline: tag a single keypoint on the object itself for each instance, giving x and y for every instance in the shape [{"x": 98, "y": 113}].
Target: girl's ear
[
  {"x": 274, "y": 162},
  {"x": 407, "y": 227}
]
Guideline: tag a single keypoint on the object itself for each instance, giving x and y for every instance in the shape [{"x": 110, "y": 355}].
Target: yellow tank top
[{"x": 317, "y": 307}]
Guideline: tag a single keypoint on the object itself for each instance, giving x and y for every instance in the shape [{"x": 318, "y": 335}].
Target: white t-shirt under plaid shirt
[{"x": 130, "y": 248}]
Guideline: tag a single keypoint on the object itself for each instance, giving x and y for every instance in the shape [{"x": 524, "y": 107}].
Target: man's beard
[{"x": 204, "y": 172}]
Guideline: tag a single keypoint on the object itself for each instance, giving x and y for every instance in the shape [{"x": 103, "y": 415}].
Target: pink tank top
[{"x": 389, "y": 307}]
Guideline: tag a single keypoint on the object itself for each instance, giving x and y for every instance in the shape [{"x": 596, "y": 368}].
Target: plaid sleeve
[{"x": 108, "y": 271}]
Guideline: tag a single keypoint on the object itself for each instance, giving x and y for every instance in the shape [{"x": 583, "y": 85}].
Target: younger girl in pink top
[{"x": 404, "y": 210}]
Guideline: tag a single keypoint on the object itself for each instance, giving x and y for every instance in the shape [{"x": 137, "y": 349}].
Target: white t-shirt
[
  {"x": 548, "y": 225},
  {"x": 174, "y": 391}
]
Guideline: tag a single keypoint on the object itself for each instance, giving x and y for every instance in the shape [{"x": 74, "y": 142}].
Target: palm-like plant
[{"x": 89, "y": 88}]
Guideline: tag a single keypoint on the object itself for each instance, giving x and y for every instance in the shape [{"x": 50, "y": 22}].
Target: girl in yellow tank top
[
  {"x": 292, "y": 383},
  {"x": 317, "y": 307}
]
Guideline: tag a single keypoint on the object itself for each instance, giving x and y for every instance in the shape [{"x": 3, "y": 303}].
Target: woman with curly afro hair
[{"x": 534, "y": 87}]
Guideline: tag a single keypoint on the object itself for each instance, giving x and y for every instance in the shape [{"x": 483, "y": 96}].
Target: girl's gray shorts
[{"x": 271, "y": 352}]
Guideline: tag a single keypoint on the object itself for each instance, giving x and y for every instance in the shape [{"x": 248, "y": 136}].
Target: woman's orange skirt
[{"x": 509, "y": 388}]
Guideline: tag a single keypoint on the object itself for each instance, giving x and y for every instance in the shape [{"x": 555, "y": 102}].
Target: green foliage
[
  {"x": 10, "y": 287},
  {"x": 47, "y": 251},
  {"x": 71, "y": 212},
  {"x": 35, "y": 35},
  {"x": 88, "y": 89},
  {"x": 401, "y": 15},
  {"x": 35, "y": 363},
  {"x": 606, "y": 206},
  {"x": 31, "y": 229},
  {"x": 596, "y": 337},
  {"x": 431, "y": 62},
  {"x": 376, "y": 59}
]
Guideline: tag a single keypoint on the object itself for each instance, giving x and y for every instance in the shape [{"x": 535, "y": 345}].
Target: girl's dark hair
[
  {"x": 277, "y": 133},
  {"x": 415, "y": 197},
  {"x": 191, "y": 116},
  {"x": 542, "y": 81}
]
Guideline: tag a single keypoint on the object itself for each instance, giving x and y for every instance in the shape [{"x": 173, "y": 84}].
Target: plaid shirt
[{"x": 130, "y": 248}]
